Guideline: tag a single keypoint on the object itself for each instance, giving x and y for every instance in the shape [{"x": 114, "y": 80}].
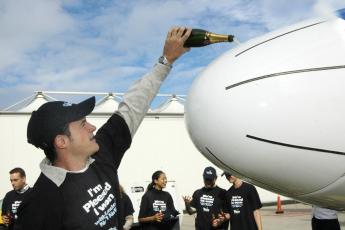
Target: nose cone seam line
[
  {"x": 285, "y": 73},
  {"x": 277, "y": 37},
  {"x": 295, "y": 146}
]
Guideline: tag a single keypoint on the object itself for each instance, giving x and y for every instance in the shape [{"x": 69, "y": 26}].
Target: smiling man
[{"x": 78, "y": 187}]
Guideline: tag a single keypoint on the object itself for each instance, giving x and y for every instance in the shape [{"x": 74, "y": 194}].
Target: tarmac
[{"x": 295, "y": 217}]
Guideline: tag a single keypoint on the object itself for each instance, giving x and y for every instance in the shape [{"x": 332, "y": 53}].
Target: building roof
[
  {"x": 38, "y": 100},
  {"x": 106, "y": 105},
  {"x": 172, "y": 105}
]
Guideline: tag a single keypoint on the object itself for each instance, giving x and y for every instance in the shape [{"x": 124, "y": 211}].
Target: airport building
[{"x": 161, "y": 143}]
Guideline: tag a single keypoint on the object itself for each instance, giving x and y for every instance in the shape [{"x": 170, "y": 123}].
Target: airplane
[{"x": 272, "y": 111}]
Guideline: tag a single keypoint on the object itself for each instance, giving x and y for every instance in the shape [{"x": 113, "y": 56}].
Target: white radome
[{"x": 272, "y": 111}]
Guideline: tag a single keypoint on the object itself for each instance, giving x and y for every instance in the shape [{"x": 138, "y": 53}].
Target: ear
[{"x": 60, "y": 141}]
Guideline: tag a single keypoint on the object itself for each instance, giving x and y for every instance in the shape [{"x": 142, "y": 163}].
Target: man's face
[
  {"x": 231, "y": 178},
  {"x": 82, "y": 140},
  {"x": 209, "y": 183},
  {"x": 17, "y": 181}
]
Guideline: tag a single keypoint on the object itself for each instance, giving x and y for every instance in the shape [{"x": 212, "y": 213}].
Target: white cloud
[
  {"x": 25, "y": 24},
  {"x": 74, "y": 45}
]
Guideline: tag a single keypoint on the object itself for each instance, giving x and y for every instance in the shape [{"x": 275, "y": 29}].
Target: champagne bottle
[
  {"x": 9, "y": 216},
  {"x": 199, "y": 38}
]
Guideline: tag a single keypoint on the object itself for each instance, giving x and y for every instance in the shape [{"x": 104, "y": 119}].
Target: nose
[{"x": 91, "y": 127}]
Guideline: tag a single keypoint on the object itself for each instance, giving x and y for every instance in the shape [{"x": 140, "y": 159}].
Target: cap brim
[
  {"x": 84, "y": 108},
  {"x": 88, "y": 105},
  {"x": 209, "y": 178}
]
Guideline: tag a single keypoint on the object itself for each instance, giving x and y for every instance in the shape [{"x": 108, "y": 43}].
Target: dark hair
[
  {"x": 18, "y": 170},
  {"x": 50, "y": 151},
  {"x": 154, "y": 177}
]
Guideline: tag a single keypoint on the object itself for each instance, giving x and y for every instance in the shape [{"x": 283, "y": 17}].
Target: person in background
[
  {"x": 243, "y": 205},
  {"x": 324, "y": 219},
  {"x": 128, "y": 209},
  {"x": 14, "y": 197},
  {"x": 157, "y": 210},
  {"x": 78, "y": 187},
  {"x": 208, "y": 203}
]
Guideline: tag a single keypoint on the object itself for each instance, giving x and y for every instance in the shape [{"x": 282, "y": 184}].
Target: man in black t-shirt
[
  {"x": 14, "y": 197},
  {"x": 208, "y": 203},
  {"x": 78, "y": 187},
  {"x": 243, "y": 205}
]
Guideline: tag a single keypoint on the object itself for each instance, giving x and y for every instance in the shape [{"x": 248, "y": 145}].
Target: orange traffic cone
[{"x": 279, "y": 206}]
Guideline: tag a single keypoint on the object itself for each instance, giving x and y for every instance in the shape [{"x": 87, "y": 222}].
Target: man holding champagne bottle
[{"x": 78, "y": 187}]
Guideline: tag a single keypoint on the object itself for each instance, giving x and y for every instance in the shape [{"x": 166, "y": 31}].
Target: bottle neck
[{"x": 214, "y": 38}]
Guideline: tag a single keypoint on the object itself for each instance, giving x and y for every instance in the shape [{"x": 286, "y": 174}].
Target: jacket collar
[{"x": 57, "y": 174}]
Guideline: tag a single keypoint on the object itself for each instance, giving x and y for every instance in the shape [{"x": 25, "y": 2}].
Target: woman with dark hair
[{"x": 157, "y": 210}]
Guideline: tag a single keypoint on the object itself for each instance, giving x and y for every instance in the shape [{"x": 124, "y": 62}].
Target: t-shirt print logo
[
  {"x": 97, "y": 203},
  {"x": 236, "y": 202},
  {"x": 206, "y": 201},
  {"x": 159, "y": 205},
  {"x": 15, "y": 206},
  {"x": 102, "y": 203}
]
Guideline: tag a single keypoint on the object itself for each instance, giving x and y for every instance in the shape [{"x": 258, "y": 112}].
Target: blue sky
[{"x": 104, "y": 45}]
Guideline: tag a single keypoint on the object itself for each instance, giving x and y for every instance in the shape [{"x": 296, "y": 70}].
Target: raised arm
[{"x": 138, "y": 98}]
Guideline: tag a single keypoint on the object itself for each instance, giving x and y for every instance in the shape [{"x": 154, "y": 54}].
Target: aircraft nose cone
[{"x": 272, "y": 109}]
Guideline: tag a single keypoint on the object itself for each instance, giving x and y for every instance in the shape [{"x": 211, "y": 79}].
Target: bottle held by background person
[
  {"x": 9, "y": 217},
  {"x": 199, "y": 38}
]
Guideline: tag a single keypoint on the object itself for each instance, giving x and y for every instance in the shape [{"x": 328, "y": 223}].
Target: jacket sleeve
[
  {"x": 139, "y": 96},
  {"x": 116, "y": 135}
]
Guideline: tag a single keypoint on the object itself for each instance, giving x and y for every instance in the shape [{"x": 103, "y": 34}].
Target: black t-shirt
[
  {"x": 128, "y": 209},
  {"x": 10, "y": 204},
  {"x": 241, "y": 204},
  {"x": 154, "y": 201},
  {"x": 95, "y": 206},
  {"x": 209, "y": 203},
  {"x": 87, "y": 200}
]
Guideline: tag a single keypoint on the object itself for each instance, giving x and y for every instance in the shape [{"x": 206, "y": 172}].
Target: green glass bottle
[{"x": 199, "y": 38}]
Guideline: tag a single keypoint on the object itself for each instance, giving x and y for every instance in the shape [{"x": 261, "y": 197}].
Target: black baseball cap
[
  {"x": 226, "y": 174},
  {"x": 209, "y": 173},
  {"x": 52, "y": 117}
]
